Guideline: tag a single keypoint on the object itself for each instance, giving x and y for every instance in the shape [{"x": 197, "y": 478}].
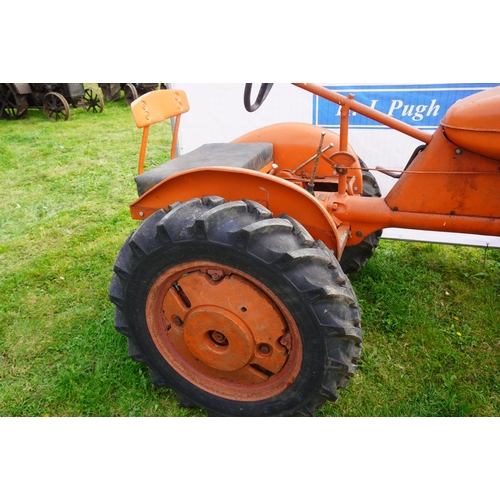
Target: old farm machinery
[
  {"x": 131, "y": 91},
  {"x": 234, "y": 289},
  {"x": 55, "y": 99}
]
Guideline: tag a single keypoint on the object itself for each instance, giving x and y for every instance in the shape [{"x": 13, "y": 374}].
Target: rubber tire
[
  {"x": 303, "y": 273},
  {"x": 355, "y": 257}
]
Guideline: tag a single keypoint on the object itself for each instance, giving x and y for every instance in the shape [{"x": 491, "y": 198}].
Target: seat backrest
[
  {"x": 155, "y": 107},
  {"x": 158, "y": 105}
]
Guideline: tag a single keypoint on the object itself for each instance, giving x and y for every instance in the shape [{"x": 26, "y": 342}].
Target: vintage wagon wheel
[
  {"x": 55, "y": 106},
  {"x": 93, "y": 101},
  {"x": 13, "y": 106},
  {"x": 130, "y": 93}
]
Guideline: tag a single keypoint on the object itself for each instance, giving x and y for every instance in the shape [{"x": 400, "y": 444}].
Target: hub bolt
[
  {"x": 177, "y": 320},
  {"x": 264, "y": 348}
]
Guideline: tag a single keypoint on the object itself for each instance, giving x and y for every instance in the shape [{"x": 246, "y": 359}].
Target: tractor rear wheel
[
  {"x": 355, "y": 257},
  {"x": 13, "y": 106},
  {"x": 238, "y": 312}
]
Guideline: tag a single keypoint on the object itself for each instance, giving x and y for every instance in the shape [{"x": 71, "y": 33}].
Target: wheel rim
[
  {"x": 224, "y": 331},
  {"x": 130, "y": 93},
  {"x": 55, "y": 106}
]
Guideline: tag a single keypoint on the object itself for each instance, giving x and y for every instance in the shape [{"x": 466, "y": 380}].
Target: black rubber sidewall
[{"x": 314, "y": 358}]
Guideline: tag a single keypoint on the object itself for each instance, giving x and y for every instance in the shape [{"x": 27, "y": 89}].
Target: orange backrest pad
[{"x": 158, "y": 105}]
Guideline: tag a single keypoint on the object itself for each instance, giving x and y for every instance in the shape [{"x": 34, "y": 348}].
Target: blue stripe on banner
[{"x": 422, "y": 106}]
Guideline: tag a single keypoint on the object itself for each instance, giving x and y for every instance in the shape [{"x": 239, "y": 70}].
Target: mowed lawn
[{"x": 430, "y": 312}]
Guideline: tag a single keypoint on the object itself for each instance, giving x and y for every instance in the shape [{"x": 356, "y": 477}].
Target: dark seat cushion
[{"x": 249, "y": 155}]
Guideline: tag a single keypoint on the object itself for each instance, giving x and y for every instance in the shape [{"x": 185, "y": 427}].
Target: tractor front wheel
[
  {"x": 130, "y": 93},
  {"x": 56, "y": 107},
  {"x": 238, "y": 312},
  {"x": 93, "y": 101}
]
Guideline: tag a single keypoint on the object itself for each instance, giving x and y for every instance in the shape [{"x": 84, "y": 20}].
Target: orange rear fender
[{"x": 278, "y": 195}]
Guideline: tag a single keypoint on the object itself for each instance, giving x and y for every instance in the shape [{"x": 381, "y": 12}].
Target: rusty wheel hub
[
  {"x": 224, "y": 331},
  {"x": 218, "y": 338}
]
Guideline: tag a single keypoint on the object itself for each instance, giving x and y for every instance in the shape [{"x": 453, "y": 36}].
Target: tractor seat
[
  {"x": 473, "y": 123},
  {"x": 248, "y": 155}
]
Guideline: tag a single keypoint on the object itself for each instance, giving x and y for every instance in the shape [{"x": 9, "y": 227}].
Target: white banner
[{"x": 217, "y": 114}]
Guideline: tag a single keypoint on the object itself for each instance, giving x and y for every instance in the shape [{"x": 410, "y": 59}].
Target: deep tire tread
[{"x": 284, "y": 246}]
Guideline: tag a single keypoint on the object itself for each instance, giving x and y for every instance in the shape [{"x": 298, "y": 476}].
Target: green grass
[
  {"x": 432, "y": 334},
  {"x": 430, "y": 312}
]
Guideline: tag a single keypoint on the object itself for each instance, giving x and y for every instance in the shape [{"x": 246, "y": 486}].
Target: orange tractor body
[{"x": 246, "y": 308}]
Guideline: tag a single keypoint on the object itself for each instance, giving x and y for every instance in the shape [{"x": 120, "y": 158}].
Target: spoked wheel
[
  {"x": 13, "y": 106},
  {"x": 238, "y": 312},
  {"x": 93, "y": 101},
  {"x": 55, "y": 106},
  {"x": 355, "y": 257},
  {"x": 130, "y": 93}
]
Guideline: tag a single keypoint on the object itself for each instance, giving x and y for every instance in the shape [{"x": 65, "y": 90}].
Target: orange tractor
[{"x": 234, "y": 290}]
